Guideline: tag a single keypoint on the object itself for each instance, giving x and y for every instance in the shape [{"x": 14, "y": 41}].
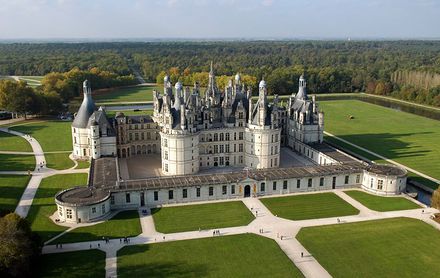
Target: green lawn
[
  {"x": 59, "y": 161},
  {"x": 406, "y": 138},
  {"x": 124, "y": 224},
  {"x": 11, "y": 189},
  {"x": 246, "y": 255},
  {"x": 9, "y": 142},
  {"x": 380, "y": 203},
  {"x": 44, "y": 206},
  {"x": 140, "y": 93},
  {"x": 397, "y": 247},
  {"x": 309, "y": 206},
  {"x": 205, "y": 216},
  {"x": 52, "y": 135},
  {"x": 83, "y": 164},
  {"x": 88, "y": 263},
  {"x": 17, "y": 162}
]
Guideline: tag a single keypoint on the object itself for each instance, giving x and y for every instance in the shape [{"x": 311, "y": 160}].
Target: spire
[{"x": 302, "y": 92}]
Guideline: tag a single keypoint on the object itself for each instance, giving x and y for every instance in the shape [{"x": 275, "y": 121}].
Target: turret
[
  {"x": 302, "y": 92},
  {"x": 262, "y": 103}
]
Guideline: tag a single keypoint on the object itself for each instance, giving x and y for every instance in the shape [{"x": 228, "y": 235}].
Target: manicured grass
[
  {"x": 205, "y": 216},
  {"x": 83, "y": 164},
  {"x": 309, "y": 206},
  {"x": 11, "y": 189},
  {"x": 246, "y": 255},
  {"x": 88, "y": 263},
  {"x": 380, "y": 203},
  {"x": 52, "y": 135},
  {"x": 112, "y": 114},
  {"x": 406, "y": 138},
  {"x": 9, "y": 142},
  {"x": 124, "y": 224},
  {"x": 59, "y": 161},
  {"x": 139, "y": 93},
  {"x": 397, "y": 247},
  {"x": 17, "y": 162},
  {"x": 44, "y": 206}
]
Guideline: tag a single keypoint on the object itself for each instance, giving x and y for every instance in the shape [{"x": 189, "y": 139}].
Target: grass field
[
  {"x": 83, "y": 164},
  {"x": 205, "y": 216},
  {"x": 52, "y": 135},
  {"x": 397, "y": 247},
  {"x": 17, "y": 162},
  {"x": 379, "y": 203},
  {"x": 406, "y": 138},
  {"x": 139, "y": 93},
  {"x": 246, "y": 255},
  {"x": 11, "y": 189},
  {"x": 32, "y": 81},
  {"x": 44, "y": 206},
  {"x": 88, "y": 263},
  {"x": 309, "y": 206},
  {"x": 59, "y": 161},
  {"x": 124, "y": 224},
  {"x": 9, "y": 142}
]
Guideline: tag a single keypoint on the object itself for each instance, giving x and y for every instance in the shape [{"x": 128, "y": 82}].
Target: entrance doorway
[
  {"x": 247, "y": 191},
  {"x": 334, "y": 183},
  {"x": 142, "y": 199}
]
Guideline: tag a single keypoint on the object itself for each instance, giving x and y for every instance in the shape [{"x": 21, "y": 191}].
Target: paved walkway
[{"x": 383, "y": 157}]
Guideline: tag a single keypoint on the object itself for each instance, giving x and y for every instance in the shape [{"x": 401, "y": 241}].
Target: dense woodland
[{"x": 330, "y": 66}]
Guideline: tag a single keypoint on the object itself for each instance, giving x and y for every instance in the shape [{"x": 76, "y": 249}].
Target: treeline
[
  {"x": 55, "y": 89},
  {"x": 417, "y": 79}
]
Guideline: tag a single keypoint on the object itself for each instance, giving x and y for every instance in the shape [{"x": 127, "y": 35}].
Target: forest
[{"x": 395, "y": 68}]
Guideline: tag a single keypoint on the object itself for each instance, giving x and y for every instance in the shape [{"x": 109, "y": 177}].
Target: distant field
[
  {"x": 246, "y": 255},
  {"x": 140, "y": 93},
  {"x": 396, "y": 247},
  {"x": 32, "y": 81},
  {"x": 309, "y": 206},
  {"x": 406, "y": 138}
]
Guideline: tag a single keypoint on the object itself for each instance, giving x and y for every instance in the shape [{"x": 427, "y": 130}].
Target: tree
[
  {"x": 435, "y": 200},
  {"x": 18, "y": 97},
  {"x": 20, "y": 247}
]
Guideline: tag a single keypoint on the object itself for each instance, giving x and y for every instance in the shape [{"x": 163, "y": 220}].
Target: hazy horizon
[{"x": 144, "y": 20}]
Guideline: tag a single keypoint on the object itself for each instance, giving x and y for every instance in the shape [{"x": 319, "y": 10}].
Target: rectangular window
[
  {"x": 274, "y": 185},
  {"x": 380, "y": 184},
  {"x": 371, "y": 184},
  {"x": 284, "y": 185},
  {"x": 232, "y": 187},
  {"x": 165, "y": 142},
  {"x": 127, "y": 197},
  {"x": 156, "y": 195},
  {"x": 165, "y": 155},
  {"x": 69, "y": 213},
  {"x": 94, "y": 210},
  {"x": 227, "y": 136},
  {"x": 166, "y": 167},
  {"x": 298, "y": 183},
  {"x": 198, "y": 192},
  {"x": 346, "y": 179},
  {"x": 222, "y": 148},
  {"x": 262, "y": 186},
  {"x": 184, "y": 193},
  {"x": 227, "y": 147},
  {"x": 112, "y": 199},
  {"x": 103, "y": 209},
  {"x": 60, "y": 211},
  {"x": 224, "y": 189},
  {"x": 211, "y": 191},
  {"x": 321, "y": 182},
  {"x": 170, "y": 194},
  {"x": 358, "y": 178},
  {"x": 309, "y": 184},
  {"x": 240, "y": 136},
  {"x": 240, "y": 147},
  {"x": 334, "y": 182}
]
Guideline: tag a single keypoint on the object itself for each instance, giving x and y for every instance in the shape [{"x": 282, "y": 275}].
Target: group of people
[
  {"x": 58, "y": 245},
  {"x": 216, "y": 233},
  {"x": 125, "y": 239}
]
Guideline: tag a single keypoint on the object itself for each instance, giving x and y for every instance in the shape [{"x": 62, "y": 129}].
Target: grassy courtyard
[
  {"x": 59, "y": 161},
  {"x": 406, "y": 138},
  {"x": 246, "y": 255},
  {"x": 398, "y": 247},
  {"x": 125, "y": 223},
  {"x": 88, "y": 263},
  {"x": 11, "y": 189},
  {"x": 17, "y": 162},
  {"x": 44, "y": 206},
  {"x": 309, "y": 206},
  {"x": 9, "y": 142},
  {"x": 205, "y": 216},
  {"x": 139, "y": 93},
  {"x": 379, "y": 203}
]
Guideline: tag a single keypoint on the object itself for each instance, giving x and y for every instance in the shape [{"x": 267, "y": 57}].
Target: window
[
  {"x": 198, "y": 192},
  {"x": 170, "y": 194},
  {"x": 165, "y": 142},
  {"x": 224, "y": 189},
  {"x": 346, "y": 179},
  {"x": 233, "y": 189},
  {"x": 184, "y": 193},
  {"x": 94, "y": 210},
  {"x": 240, "y": 136},
  {"x": 166, "y": 167},
  {"x": 127, "y": 197},
  {"x": 69, "y": 213},
  {"x": 284, "y": 185},
  {"x": 240, "y": 147},
  {"x": 274, "y": 185},
  {"x": 215, "y": 137},
  {"x": 298, "y": 183},
  {"x": 211, "y": 191},
  {"x": 309, "y": 183},
  {"x": 262, "y": 186},
  {"x": 380, "y": 184},
  {"x": 334, "y": 182},
  {"x": 215, "y": 148},
  {"x": 227, "y": 147},
  {"x": 156, "y": 195},
  {"x": 358, "y": 178},
  {"x": 371, "y": 183},
  {"x": 166, "y": 155},
  {"x": 112, "y": 200},
  {"x": 222, "y": 137},
  {"x": 321, "y": 182},
  {"x": 103, "y": 209},
  {"x": 227, "y": 136},
  {"x": 60, "y": 211}
]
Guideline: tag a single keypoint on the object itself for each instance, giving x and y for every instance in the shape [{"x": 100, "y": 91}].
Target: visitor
[
  {"x": 302, "y": 254},
  {"x": 90, "y": 246},
  {"x": 99, "y": 245}
]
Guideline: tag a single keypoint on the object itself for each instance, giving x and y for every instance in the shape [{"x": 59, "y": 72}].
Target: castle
[{"x": 197, "y": 134}]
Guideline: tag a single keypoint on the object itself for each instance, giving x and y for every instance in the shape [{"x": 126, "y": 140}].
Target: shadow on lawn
[{"x": 387, "y": 144}]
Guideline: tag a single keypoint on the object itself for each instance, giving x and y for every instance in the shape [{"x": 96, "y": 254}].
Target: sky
[{"x": 212, "y": 19}]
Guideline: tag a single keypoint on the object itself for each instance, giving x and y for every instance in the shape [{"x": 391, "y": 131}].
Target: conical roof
[{"x": 86, "y": 109}]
